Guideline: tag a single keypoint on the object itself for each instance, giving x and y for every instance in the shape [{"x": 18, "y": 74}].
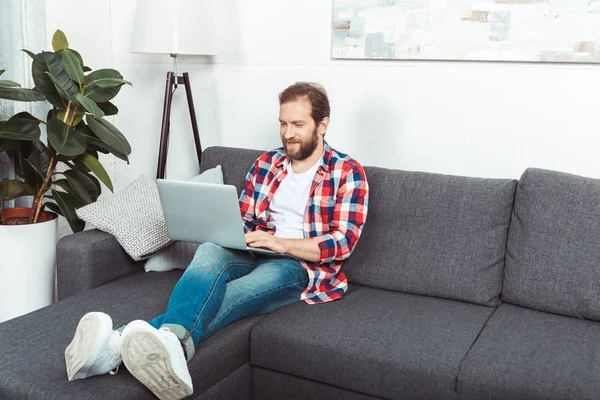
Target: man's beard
[{"x": 305, "y": 150}]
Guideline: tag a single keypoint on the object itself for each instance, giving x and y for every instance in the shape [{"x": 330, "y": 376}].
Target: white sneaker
[
  {"x": 95, "y": 348},
  {"x": 155, "y": 358}
]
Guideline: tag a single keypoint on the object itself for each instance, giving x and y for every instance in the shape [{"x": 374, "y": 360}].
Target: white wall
[{"x": 477, "y": 119}]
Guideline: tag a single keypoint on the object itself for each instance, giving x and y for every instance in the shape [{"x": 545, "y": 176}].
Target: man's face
[{"x": 299, "y": 134}]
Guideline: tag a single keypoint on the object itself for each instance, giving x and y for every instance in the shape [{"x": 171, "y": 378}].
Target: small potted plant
[{"x": 62, "y": 171}]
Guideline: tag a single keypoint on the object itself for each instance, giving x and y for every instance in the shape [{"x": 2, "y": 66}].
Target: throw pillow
[
  {"x": 180, "y": 254},
  {"x": 133, "y": 216},
  {"x": 213, "y": 175}
]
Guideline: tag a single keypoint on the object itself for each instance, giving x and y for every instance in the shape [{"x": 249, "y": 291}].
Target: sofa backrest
[
  {"x": 426, "y": 233},
  {"x": 434, "y": 235},
  {"x": 553, "y": 252},
  {"x": 234, "y": 162}
]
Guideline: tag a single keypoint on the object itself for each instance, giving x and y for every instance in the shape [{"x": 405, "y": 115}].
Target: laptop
[{"x": 204, "y": 212}]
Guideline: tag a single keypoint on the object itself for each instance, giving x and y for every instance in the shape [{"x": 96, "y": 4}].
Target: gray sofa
[{"x": 460, "y": 288}]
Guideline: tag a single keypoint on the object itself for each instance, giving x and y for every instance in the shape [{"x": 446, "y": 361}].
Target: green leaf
[
  {"x": 78, "y": 164},
  {"x": 53, "y": 207},
  {"x": 65, "y": 140},
  {"x": 72, "y": 66},
  {"x": 22, "y": 168},
  {"x": 26, "y": 115},
  {"x": 85, "y": 187},
  {"x": 89, "y": 105},
  {"x": 76, "y": 120},
  {"x": 40, "y": 159},
  {"x": 95, "y": 143},
  {"x": 64, "y": 184},
  {"x": 97, "y": 93},
  {"x": 41, "y": 64},
  {"x": 111, "y": 82},
  {"x": 7, "y": 145},
  {"x": 20, "y": 129},
  {"x": 94, "y": 165},
  {"x": 108, "y": 108},
  {"x": 59, "y": 41},
  {"x": 29, "y": 53},
  {"x": 2, "y": 71},
  {"x": 76, "y": 190},
  {"x": 13, "y": 189},
  {"x": 97, "y": 183},
  {"x": 9, "y": 84},
  {"x": 67, "y": 205},
  {"x": 62, "y": 91},
  {"x": 109, "y": 134},
  {"x": 75, "y": 53},
  {"x": 86, "y": 69},
  {"x": 19, "y": 94}
]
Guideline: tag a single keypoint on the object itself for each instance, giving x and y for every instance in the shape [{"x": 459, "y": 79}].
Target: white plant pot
[{"x": 27, "y": 267}]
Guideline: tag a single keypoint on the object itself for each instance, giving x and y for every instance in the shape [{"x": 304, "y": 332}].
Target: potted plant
[{"x": 61, "y": 172}]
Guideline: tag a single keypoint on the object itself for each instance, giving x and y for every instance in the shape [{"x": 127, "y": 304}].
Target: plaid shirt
[{"x": 335, "y": 214}]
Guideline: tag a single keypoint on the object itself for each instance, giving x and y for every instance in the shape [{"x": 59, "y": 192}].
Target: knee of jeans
[
  {"x": 208, "y": 255},
  {"x": 207, "y": 251}
]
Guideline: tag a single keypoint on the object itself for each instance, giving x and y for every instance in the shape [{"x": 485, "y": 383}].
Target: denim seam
[
  {"x": 193, "y": 328},
  {"x": 256, "y": 295}
]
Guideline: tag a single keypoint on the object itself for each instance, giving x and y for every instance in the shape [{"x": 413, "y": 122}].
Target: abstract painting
[{"x": 491, "y": 30}]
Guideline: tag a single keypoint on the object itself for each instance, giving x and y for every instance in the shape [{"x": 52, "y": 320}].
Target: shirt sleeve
[
  {"x": 349, "y": 216},
  {"x": 247, "y": 201}
]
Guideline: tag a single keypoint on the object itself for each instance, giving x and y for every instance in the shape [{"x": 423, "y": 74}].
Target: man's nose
[{"x": 289, "y": 132}]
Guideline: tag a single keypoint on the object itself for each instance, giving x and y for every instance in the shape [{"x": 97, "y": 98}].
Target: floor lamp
[{"x": 174, "y": 27}]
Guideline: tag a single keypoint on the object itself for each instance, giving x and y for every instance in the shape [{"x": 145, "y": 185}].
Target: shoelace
[
  {"x": 114, "y": 346},
  {"x": 174, "y": 339}
]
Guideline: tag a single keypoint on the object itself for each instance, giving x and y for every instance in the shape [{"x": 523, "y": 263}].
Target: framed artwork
[{"x": 489, "y": 30}]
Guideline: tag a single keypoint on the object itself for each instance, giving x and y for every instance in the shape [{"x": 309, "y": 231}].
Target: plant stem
[
  {"x": 37, "y": 200},
  {"x": 67, "y": 112},
  {"x": 37, "y": 203}
]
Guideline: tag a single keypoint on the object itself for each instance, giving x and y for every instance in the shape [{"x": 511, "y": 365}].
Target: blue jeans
[{"x": 221, "y": 286}]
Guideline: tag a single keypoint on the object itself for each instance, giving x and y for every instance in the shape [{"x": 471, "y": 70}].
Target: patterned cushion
[{"x": 134, "y": 216}]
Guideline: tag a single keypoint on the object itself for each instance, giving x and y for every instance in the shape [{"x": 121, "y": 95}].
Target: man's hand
[
  {"x": 266, "y": 241},
  {"x": 303, "y": 249}
]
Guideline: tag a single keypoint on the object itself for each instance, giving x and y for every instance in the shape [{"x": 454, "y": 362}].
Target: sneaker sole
[
  {"x": 148, "y": 361},
  {"x": 78, "y": 354}
]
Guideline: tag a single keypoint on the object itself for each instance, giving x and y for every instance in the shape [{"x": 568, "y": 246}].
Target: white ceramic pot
[{"x": 27, "y": 265}]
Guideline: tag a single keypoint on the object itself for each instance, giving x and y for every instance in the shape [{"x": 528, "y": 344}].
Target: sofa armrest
[{"x": 88, "y": 259}]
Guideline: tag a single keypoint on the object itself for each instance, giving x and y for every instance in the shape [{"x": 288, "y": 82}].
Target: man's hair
[{"x": 314, "y": 93}]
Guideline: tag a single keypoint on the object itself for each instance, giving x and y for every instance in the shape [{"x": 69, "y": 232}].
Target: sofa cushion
[
  {"x": 33, "y": 364},
  {"x": 372, "y": 341},
  {"x": 528, "y": 354},
  {"x": 434, "y": 235},
  {"x": 553, "y": 253},
  {"x": 271, "y": 385},
  {"x": 235, "y": 163}
]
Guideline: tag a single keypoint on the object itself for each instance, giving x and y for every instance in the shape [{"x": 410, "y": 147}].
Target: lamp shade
[{"x": 173, "y": 27}]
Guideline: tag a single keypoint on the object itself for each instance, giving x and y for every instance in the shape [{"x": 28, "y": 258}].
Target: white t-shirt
[{"x": 290, "y": 200}]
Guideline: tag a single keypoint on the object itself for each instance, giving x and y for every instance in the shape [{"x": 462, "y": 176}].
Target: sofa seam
[
  {"x": 508, "y": 229},
  {"x": 462, "y": 360},
  {"x": 247, "y": 363},
  {"x": 316, "y": 381}
]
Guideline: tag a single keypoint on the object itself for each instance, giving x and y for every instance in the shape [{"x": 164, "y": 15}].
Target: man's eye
[{"x": 299, "y": 125}]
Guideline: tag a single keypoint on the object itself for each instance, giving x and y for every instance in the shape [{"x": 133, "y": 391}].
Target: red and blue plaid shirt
[{"x": 334, "y": 217}]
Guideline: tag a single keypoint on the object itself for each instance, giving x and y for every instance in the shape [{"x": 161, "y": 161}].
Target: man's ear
[{"x": 322, "y": 129}]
